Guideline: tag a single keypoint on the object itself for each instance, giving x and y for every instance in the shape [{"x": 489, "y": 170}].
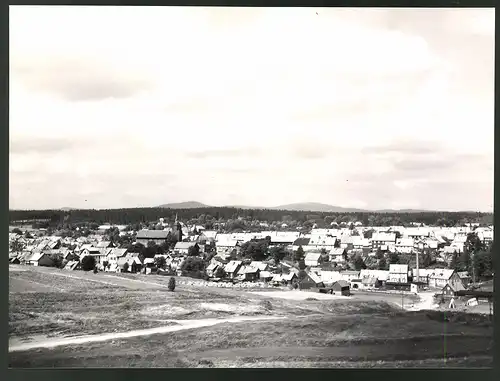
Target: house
[
  {"x": 277, "y": 279},
  {"x": 46, "y": 261},
  {"x": 289, "y": 278},
  {"x": 232, "y": 268},
  {"x": 310, "y": 281},
  {"x": 34, "y": 259},
  {"x": 347, "y": 242},
  {"x": 405, "y": 245},
  {"x": 266, "y": 276},
  {"x": 370, "y": 283},
  {"x": 98, "y": 254},
  {"x": 381, "y": 239},
  {"x": 348, "y": 276},
  {"x": 398, "y": 274},
  {"x": 338, "y": 255},
  {"x": 441, "y": 277},
  {"x": 284, "y": 238},
  {"x": 114, "y": 254},
  {"x": 248, "y": 273},
  {"x": 182, "y": 248},
  {"x": 227, "y": 247},
  {"x": 212, "y": 268},
  {"x": 159, "y": 237},
  {"x": 71, "y": 265},
  {"x": 312, "y": 259},
  {"x": 418, "y": 232},
  {"x": 134, "y": 264},
  {"x": 300, "y": 242},
  {"x": 450, "y": 291},
  {"x": 318, "y": 242},
  {"x": 341, "y": 286},
  {"x": 330, "y": 277},
  {"x": 360, "y": 243},
  {"x": 14, "y": 261}
]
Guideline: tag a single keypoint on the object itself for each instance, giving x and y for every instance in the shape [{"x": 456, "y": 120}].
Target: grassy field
[{"x": 357, "y": 332}]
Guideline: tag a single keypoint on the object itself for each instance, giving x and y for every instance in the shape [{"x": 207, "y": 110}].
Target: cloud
[
  {"x": 223, "y": 153},
  {"x": 78, "y": 79},
  {"x": 41, "y": 145},
  {"x": 404, "y": 146}
]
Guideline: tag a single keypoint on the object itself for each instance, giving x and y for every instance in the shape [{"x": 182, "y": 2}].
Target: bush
[
  {"x": 171, "y": 284},
  {"x": 88, "y": 263}
]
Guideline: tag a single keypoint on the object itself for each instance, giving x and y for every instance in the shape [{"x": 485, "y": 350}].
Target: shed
[{"x": 342, "y": 286}]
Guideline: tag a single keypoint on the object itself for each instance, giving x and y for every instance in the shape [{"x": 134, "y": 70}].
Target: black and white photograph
[{"x": 245, "y": 187}]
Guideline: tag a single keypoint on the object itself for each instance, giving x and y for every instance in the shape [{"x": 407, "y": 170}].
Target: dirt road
[{"x": 15, "y": 345}]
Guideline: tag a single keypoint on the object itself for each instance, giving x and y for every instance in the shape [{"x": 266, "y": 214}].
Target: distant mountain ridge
[
  {"x": 300, "y": 206},
  {"x": 184, "y": 205},
  {"x": 316, "y": 207}
]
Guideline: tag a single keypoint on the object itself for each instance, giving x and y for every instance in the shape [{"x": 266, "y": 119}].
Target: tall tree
[
  {"x": 278, "y": 253},
  {"x": 299, "y": 254},
  {"x": 359, "y": 263}
]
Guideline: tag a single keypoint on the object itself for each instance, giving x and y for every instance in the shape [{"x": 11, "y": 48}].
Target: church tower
[{"x": 178, "y": 229}]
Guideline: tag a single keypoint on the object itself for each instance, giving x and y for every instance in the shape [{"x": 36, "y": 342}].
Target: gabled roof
[
  {"x": 337, "y": 251},
  {"x": 277, "y": 278},
  {"x": 152, "y": 234},
  {"x": 93, "y": 251},
  {"x": 184, "y": 245},
  {"x": 118, "y": 252},
  {"x": 36, "y": 257},
  {"x": 232, "y": 266},
  {"x": 71, "y": 265},
  {"x": 260, "y": 265},
  {"x": 301, "y": 242},
  {"x": 312, "y": 256},
  {"x": 227, "y": 243},
  {"x": 342, "y": 283},
  {"x": 442, "y": 274},
  {"x": 212, "y": 266},
  {"x": 314, "y": 277},
  {"x": 266, "y": 274},
  {"x": 288, "y": 277}
]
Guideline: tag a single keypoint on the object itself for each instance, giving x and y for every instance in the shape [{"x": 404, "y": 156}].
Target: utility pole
[{"x": 473, "y": 268}]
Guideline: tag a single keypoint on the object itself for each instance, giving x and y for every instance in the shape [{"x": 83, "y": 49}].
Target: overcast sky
[{"x": 141, "y": 106}]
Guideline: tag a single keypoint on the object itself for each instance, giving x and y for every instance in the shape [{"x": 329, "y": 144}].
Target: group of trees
[
  {"x": 235, "y": 218},
  {"x": 476, "y": 259}
]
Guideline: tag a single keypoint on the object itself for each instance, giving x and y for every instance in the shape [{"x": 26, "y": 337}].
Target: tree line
[{"x": 236, "y": 219}]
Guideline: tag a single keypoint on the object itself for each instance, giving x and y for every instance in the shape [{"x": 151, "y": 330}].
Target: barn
[{"x": 341, "y": 286}]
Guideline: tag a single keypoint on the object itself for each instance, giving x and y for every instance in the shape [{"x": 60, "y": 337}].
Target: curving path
[{"x": 15, "y": 345}]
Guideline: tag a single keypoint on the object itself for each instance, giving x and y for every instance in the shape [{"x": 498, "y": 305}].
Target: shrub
[
  {"x": 171, "y": 284},
  {"x": 88, "y": 263}
]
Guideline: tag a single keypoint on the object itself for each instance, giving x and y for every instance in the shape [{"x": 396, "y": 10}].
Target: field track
[{"x": 181, "y": 325}]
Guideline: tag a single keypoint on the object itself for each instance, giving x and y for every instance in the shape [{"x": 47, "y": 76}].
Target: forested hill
[{"x": 138, "y": 215}]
